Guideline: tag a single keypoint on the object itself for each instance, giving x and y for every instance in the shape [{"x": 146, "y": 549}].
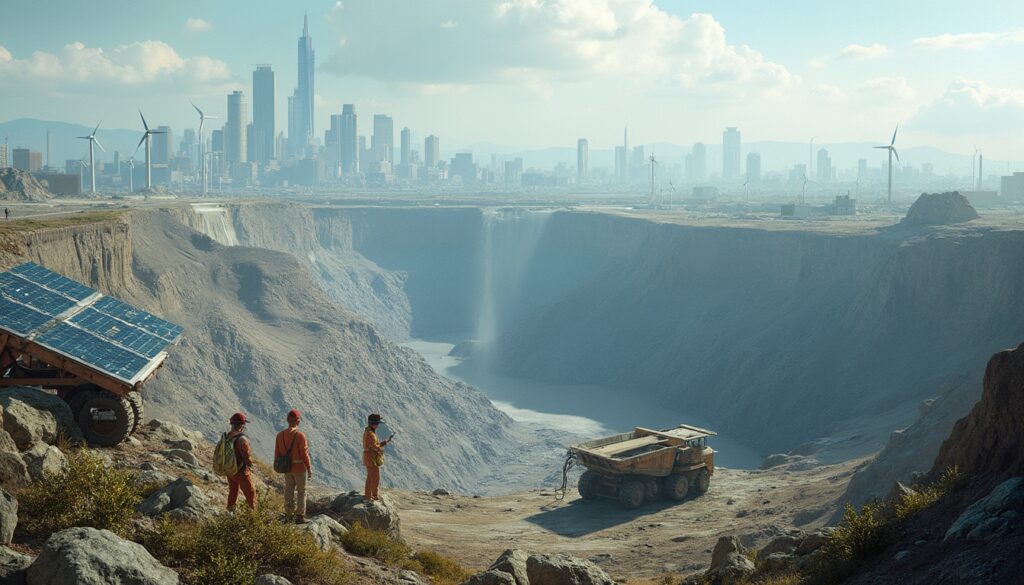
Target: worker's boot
[{"x": 300, "y": 519}]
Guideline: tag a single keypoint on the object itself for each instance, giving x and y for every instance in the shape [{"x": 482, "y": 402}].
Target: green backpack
[{"x": 224, "y": 461}]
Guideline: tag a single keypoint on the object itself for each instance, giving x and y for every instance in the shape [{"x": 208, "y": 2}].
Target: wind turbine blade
[
  {"x": 82, "y": 137},
  {"x": 897, "y": 155},
  {"x": 212, "y": 118},
  {"x": 143, "y": 139},
  {"x": 96, "y": 128},
  {"x": 198, "y": 110},
  {"x": 879, "y": 147},
  {"x": 893, "y": 141},
  {"x": 157, "y": 132},
  {"x": 99, "y": 145},
  {"x": 144, "y": 124}
]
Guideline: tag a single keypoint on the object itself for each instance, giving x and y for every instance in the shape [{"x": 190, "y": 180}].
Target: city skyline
[{"x": 938, "y": 75}]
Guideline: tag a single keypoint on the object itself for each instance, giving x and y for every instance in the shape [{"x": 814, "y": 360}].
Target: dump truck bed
[{"x": 642, "y": 451}]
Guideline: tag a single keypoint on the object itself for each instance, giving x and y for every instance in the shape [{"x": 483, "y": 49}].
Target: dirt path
[{"x": 629, "y": 544}]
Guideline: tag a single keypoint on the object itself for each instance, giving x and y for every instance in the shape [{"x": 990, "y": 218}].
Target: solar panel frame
[
  {"x": 20, "y": 319},
  {"x": 94, "y": 351},
  {"x": 107, "y": 327},
  {"x": 61, "y": 284},
  {"x": 139, "y": 318},
  {"x": 34, "y": 295}
]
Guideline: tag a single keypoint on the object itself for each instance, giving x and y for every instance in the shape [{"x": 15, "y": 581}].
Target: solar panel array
[{"x": 78, "y": 322}]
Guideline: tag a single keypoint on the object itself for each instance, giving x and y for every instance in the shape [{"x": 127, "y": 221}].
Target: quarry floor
[{"x": 658, "y": 538}]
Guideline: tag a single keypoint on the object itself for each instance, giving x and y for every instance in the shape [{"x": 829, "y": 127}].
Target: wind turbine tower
[
  {"x": 146, "y": 138},
  {"x": 92, "y": 156},
  {"x": 202, "y": 146},
  {"x": 891, "y": 147}
]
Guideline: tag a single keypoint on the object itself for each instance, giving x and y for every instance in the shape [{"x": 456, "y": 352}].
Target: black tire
[
  {"x": 76, "y": 400},
  {"x": 587, "y": 485},
  {"x": 138, "y": 410},
  {"x": 631, "y": 494},
  {"x": 677, "y": 487},
  {"x": 652, "y": 489},
  {"x": 702, "y": 481},
  {"x": 105, "y": 418}
]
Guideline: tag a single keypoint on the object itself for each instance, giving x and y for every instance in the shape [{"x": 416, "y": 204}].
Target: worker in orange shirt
[
  {"x": 373, "y": 456},
  {"x": 291, "y": 458}
]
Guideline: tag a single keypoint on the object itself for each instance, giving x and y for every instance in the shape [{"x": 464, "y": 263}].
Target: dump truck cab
[{"x": 646, "y": 465}]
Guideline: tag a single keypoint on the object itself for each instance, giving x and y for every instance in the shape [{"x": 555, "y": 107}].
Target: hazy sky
[{"x": 543, "y": 72}]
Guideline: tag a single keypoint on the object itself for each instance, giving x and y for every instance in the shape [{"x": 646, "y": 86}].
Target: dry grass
[
  {"x": 71, "y": 219},
  {"x": 375, "y": 544},
  {"x": 441, "y": 569}
]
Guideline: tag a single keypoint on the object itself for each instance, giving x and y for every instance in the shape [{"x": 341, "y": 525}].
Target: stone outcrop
[
  {"x": 326, "y": 531},
  {"x": 13, "y": 472},
  {"x": 42, "y": 460},
  {"x": 8, "y": 517},
  {"x": 940, "y": 209},
  {"x": 271, "y": 580},
  {"x": 13, "y": 566},
  {"x": 382, "y": 515},
  {"x": 32, "y": 416},
  {"x": 18, "y": 185},
  {"x": 86, "y": 556},
  {"x": 181, "y": 499},
  {"x": 516, "y": 567},
  {"x": 992, "y": 516}
]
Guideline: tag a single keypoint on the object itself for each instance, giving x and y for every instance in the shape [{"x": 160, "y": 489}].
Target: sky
[{"x": 542, "y": 73}]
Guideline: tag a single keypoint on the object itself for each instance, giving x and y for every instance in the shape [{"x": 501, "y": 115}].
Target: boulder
[
  {"x": 13, "y": 472},
  {"x": 271, "y": 580},
  {"x": 777, "y": 562},
  {"x": 154, "y": 477},
  {"x": 408, "y": 577},
  {"x": 490, "y": 577},
  {"x": 6, "y": 442},
  {"x": 783, "y": 544},
  {"x": 381, "y": 515},
  {"x": 170, "y": 433},
  {"x": 814, "y": 541},
  {"x": 561, "y": 569},
  {"x": 86, "y": 556},
  {"x": 13, "y": 566},
  {"x": 8, "y": 517},
  {"x": 513, "y": 562},
  {"x": 440, "y": 492},
  {"x": 32, "y": 416},
  {"x": 940, "y": 209},
  {"x": 181, "y": 455},
  {"x": 992, "y": 515},
  {"x": 326, "y": 531},
  {"x": 184, "y": 445},
  {"x": 181, "y": 499},
  {"x": 42, "y": 460},
  {"x": 729, "y": 563}
]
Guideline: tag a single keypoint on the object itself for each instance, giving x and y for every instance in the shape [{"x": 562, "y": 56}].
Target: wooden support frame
[{"x": 74, "y": 373}]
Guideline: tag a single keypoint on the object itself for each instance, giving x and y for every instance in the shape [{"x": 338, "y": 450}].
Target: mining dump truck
[
  {"x": 646, "y": 465},
  {"x": 94, "y": 351}
]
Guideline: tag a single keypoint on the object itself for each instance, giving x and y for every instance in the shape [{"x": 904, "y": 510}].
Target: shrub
[
  {"x": 234, "y": 548},
  {"x": 444, "y": 570},
  {"x": 930, "y": 494},
  {"x": 858, "y": 536},
  {"x": 374, "y": 543},
  {"x": 88, "y": 493}
]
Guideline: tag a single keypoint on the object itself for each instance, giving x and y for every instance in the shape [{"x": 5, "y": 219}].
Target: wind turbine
[
  {"x": 146, "y": 138},
  {"x": 202, "y": 145},
  {"x": 131, "y": 172},
  {"x": 92, "y": 159},
  {"x": 974, "y": 166},
  {"x": 891, "y": 147},
  {"x": 653, "y": 164},
  {"x": 81, "y": 171}
]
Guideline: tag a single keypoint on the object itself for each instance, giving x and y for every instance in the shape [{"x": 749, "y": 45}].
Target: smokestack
[
  {"x": 47, "y": 149},
  {"x": 978, "y": 186}
]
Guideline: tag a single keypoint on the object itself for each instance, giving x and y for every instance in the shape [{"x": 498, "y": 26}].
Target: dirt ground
[{"x": 630, "y": 545}]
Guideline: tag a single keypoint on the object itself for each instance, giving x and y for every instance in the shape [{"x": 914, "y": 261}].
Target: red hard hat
[
  {"x": 238, "y": 419},
  {"x": 294, "y": 414}
]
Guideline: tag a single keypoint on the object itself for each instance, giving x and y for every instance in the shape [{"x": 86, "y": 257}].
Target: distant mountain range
[{"x": 775, "y": 156}]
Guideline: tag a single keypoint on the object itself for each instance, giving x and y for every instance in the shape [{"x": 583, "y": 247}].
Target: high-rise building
[
  {"x": 730, "y": 153},
  {"x": 824, "y": 166},
  {"x": 463, "y": 166},
  {"x": 162, "y": 147},
  {"x": 383, "y": 140},
  {"x": 263, "y": 131},
  {"x": 431, "y": 151},
  {"x": 862, "y": 169},
  {"x": 349, "y": 140},
  {"x": 699, "y": 162},
  {"x": 217, "y": 140},
  {"x": 638, "y": 163},
  {"x": 621, "y": 162},
  {"x": 300, "y": 137},
  {"x": 3, "y": 156},
  {"x": 582, "y": 158},
  {"x": 406, "y": 145},
  {"x": 235, "y": 143},
  {"x": 754, "y": 167},
  {"x": 27, "y": 160}
]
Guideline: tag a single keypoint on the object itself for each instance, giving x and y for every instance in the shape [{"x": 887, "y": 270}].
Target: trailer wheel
[
  {"x": 76, "y": 401},
  {"x": 632, "y": 494},
  {"x": 677, "y": 486},
  {"x": 587, "y": 485},
  {"x": 702, "y": 481},
  {"x": 105, "y": 418},
  {"x": 652, "y": 489},
  {"x": 138, "y": 410}
]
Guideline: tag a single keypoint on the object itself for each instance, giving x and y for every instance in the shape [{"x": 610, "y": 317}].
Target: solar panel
[{"x": 78, "y": 322}]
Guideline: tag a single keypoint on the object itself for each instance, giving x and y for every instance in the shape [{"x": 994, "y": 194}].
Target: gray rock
[
  {"x": 410, "y": 577},
  {"x": 32, "y": 416},
  {"x": 381, "y": 515},
  {"x": 170, "y": 433},
  {"x": 513, "y": 562},
  {"x": 6, "y": 442},
  {"x": 154, "y": 476},
  {"x": 490, "y": 577},
  {"x": 777, "y": 562},
  {"x": 940, "y": 209},
  {"x": 561, "y": 569},
  {"x": 184, "y": 445},
  {"x": 729, "y": 564},
  {"x": 901, "y": 555},
  {"x": 181, "y": 455},
  {"x": 181, "y": 499},
  {"x": 8, "y": 517},
  {"x": 86, "y": 556},
  {"x": 1006, "y": 497},
  {"x": 778, "y": 460},
  {"x": 13, "y": 566},
  {"x": 326, "y": 531},
  {"x": 13, "y": 472},
  {"x": 783, "y": 544},
  {"x": 814, "y": 541},
  {"x": 441, "y": 492},
  {"x": 271, "y": 580},
  {"x": 42, "y": 460}
]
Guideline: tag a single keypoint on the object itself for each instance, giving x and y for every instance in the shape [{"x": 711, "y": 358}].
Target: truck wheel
[
  {"x": 652, "y": 489},
  {"x": 702, "y": 482},
  {"x": 76, "y": 401},
  {"x": 677, "y": 486},
  {"x": 138, "y": 409},
  {"x": 588, "y": 485},
  {"x": 105, "y": 418},
  {"x": 632, "y": 494}
]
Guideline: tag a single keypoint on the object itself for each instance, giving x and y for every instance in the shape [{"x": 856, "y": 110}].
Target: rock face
[
  {"x": 32, "y": 416},
  {"x": 381, "y": 515},
  {"x": 271, "y": 580},
  {"x": 181, "y": 499},
  {"x": 8, "y": 517},
  {"x": 326, "y": 531},
  {"x": 729, "y": 564},
  {"x": 13, "y": 472},
  {"x": 992, "y": 516},
  {"x": 940, "y": 209},
  {"x": 563, "y": 569},
  {"x": 490, "y": 577},
  {"x": 172, "y": 434},
  {"x": 18, "y": 185},
  {"x": 513, "y": 562},
  {"x": 86, "y": 556},
  {"x": 43, "y": 460},
  {"x": 13, "y": 566}
]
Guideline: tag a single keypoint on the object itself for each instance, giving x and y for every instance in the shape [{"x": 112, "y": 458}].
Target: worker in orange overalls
[
  {"x": 373, "y": 456},
  {"x": 243, "y": 455}
]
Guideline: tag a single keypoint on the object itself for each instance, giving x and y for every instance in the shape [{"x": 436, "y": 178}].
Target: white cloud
[
  {"x": 197, "y": 25},
  {"x": 886, "y": 91},
  {"x": 828, "y": 93},
  {"x": 973, "y": 107},
  {"x": 449, "y": 24},
  {"x": 969, "y": 41},
  {"x": 134, "y": 64},
  {"x": 543, "y": 42},
  {"x": 858, "y": 52}
]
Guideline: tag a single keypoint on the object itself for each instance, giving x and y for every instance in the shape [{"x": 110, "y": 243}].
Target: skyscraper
[
  {"x": 406, "y": 146},
  {"x": 349, "y": 140},
  {"x": 162, "y": 146},
  {"x": 431, "y": 151},
  {"x": 263, "y": 114},
  {"x": 235, "y": 143},
  {"x": 862, "y": 169},
  {"x": 824, "y": 166},
  {"x": 582, "y": 158},
  {"x": 383, "y": 140},
  {"x": 754, "y": 167},
  {"x": 699, "y": 161},
  {"x": 730, "y": 153},
  {"x": 300, "y": 138}
]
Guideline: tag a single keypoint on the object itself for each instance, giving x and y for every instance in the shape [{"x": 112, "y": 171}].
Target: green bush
[
  {"x": 444, "y": 570},
  {"x": 858, "y": 536},
  {"x": 365, "y": 542},
  {"x": 228, "y": 549},
  {"x": 928, "y": 495},
  {"x": 88, "y": 493}
]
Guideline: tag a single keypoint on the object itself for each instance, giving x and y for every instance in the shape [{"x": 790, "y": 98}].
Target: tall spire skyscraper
[{"x": 300, "y": 137}]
